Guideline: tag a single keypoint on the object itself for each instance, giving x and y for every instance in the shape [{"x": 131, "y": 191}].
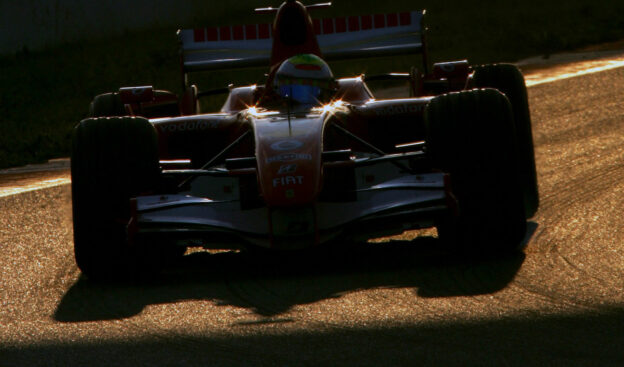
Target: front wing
[{"x": 380, "y": 209}]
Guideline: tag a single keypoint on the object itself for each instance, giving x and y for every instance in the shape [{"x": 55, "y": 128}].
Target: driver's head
[{"x": 305, "y": 79}]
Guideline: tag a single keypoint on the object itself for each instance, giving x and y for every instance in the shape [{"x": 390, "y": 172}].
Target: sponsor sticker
[
  {"x": 287, "y": 168},
  {"x": 289, "y": 157},
  {"x": 289, "y": 144},
  {"x": 139, "y": 91},
  {"x": 187, "y": 126},
  {"x": 296, "y": 227},
  {"x": 448, "y": 67},
  {"x": 287, "y": 181},
  {"x": 399, "y": 109}
]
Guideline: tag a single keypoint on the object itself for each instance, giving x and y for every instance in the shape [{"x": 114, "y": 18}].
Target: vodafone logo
[
  {"x": 399, "y": 109},
  {"x": 188, "y": 126},
  {"x": 284, "y": 145}
]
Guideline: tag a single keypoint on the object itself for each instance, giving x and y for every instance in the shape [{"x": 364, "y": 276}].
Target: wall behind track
[{"x": 40, "y": 24}]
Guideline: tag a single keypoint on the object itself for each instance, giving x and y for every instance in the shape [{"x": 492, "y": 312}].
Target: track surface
[{"x": 402, "y": 302}]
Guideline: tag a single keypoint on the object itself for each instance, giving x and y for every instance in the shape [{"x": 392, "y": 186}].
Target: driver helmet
[{"x": 305, "y": 79}]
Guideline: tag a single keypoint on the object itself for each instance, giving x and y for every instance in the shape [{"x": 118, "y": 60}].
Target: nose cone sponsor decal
[
  {"x": 287, "y": 168},
  {"x": 287, "y": 181},
  {"x": 285, "y": 145},
  {"x": 289, "y": 157},
  {"x": 288, "y": 153}
]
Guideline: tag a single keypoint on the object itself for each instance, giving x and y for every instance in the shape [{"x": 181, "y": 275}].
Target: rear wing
[{"x": 230, "y": 47}]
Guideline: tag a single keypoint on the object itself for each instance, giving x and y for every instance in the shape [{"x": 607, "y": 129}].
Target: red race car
[{"x": 307, "y": 158}]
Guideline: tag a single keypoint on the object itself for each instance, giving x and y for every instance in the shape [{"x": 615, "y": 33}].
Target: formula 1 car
[{"x": 305, "y": 159}]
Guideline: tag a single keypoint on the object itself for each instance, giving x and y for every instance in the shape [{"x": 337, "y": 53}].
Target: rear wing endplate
[{"x": 229, "y": 47}]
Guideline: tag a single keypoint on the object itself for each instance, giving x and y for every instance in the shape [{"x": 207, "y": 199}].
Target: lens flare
[
  {"x": 332, "y": 106},
  {"x": 252, "y": 110}
]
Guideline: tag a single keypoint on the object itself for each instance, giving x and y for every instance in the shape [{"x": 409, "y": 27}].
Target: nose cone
[{"x": 289, "y": 159}]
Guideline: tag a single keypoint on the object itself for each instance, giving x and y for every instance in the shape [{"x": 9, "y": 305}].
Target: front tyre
[
  {"x": 508, "y": 79},
  {"x": 113, "y": 159},
  {"x": 107, "y": 104},
  {"x": 471, "y": 136}
]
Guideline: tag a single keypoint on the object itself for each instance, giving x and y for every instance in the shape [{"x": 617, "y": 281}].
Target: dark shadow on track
[
  {"x": 585, "y": 339},
  {"x": 270, "y": 284}
]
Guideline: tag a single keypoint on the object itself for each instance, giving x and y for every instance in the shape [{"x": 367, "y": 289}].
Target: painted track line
[
  {"x": 40, "y": 185},
  {"x": 572, "y": 70}
]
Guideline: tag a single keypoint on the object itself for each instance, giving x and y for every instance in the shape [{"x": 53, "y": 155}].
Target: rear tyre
[
  {"x": 107, "y": 104},
  {"x": 165, "y": 104},
  {"x": 113, "y": 160},
  {"x": 509, "y": 80},
  {"x": 471, "y": 136}
]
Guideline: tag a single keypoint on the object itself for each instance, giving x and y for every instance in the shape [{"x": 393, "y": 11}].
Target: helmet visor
[{"x": 304, "y": 94}]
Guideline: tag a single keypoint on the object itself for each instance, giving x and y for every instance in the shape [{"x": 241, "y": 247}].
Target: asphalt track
[{"x": 399, "y": 302}]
